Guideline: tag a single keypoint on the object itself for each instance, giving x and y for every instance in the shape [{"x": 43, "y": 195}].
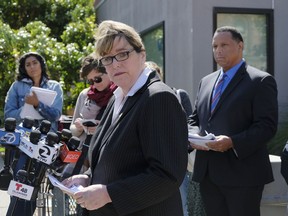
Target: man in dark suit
[
  {"x": 138, "y": 155},
  {"x": 233, "y": 169}
]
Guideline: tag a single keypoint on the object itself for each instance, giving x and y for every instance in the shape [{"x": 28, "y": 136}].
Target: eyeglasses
[
  {"x": 122, "y": 56},
  {"x": 96, "y": 79}
]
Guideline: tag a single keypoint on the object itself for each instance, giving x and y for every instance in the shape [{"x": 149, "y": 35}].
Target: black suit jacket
[
  {"x": 142, "y": 156},
  {"x": 247, "y": 112}
]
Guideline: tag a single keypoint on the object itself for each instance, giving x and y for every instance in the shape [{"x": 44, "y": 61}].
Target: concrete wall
[
  {"x": 178, "y": 32},
  {"x": 188, "y": 34},
  {"x": 275, "y": 194},
  {"x": 188, "y": 55}
]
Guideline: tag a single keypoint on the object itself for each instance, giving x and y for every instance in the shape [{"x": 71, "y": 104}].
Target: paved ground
[{"x": 4, "y": 197}]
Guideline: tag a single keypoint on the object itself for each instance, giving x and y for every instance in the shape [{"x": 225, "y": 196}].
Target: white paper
[
  {"x": 45, "y": 96},
  {"x": 29, "y": 110},
  {"x": 200, "y": 140},
  {"x": 62, "y": 187}
]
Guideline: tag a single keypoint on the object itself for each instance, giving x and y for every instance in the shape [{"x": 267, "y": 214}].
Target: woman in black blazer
[{"x": 138, "y": 156}]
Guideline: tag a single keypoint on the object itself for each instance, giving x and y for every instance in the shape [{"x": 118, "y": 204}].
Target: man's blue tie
[{"x": 217, "y": 92}]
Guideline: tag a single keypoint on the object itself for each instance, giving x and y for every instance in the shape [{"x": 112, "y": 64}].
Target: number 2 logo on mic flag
[{"x": 44, "y": 152}]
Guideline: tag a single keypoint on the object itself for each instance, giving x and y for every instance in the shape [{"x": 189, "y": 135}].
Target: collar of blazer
[
  {"x": 153, "y": 77},
  {"x": 231, "y": 86},
  {"x": 108, "y": 128},
  {"x": 131, "y": 101}
]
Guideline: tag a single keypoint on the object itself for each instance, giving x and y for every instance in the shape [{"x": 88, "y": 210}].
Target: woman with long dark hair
[{"x": 32, "y": 71}]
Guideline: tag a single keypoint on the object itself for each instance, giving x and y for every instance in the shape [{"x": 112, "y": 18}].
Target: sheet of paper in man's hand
[
  {"x": 62, "y": 187},
  {"x": 200, "y": 140}
]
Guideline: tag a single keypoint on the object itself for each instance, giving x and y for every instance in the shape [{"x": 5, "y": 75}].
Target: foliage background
[{"x": 60, "y": 30}]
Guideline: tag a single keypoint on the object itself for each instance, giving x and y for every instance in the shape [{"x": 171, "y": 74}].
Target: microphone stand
[
  {"x": 84, "y": 150},
  {"x": 6, "y": 173},
  {"x": 83, "y": 155},
  {"x": 51, "y": 139},
  {"x": 22, "y": 177}
]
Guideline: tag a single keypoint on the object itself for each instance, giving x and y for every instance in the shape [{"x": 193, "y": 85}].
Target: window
[
  {"x": 153, "y": 39},
  {"x": 256, "y": 27}
]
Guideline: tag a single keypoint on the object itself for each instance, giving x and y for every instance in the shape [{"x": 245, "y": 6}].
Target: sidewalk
[{"x": 5, "y": 198}]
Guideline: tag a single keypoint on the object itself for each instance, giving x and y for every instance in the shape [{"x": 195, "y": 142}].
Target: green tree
[{"x": 60, "y": 30}]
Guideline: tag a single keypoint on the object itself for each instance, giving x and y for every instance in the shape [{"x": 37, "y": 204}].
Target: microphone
[
  {"x": 85, "y": 148},
  {"x": 19, "y": 188},
  {"x": 73, "y": 143},
  {"x": 45, "y": 126},
  {"x": 22, "y": 176},
  {"x": 24, "y": 129},
  {"x": 28, "y": 146},
  {"x": 26, "y": 126},
  {"x": 41, "y": 153},
  {"x": 47, "y": 154},
  {"x": 9, "y": 139},
  {"x": 68, "y": 154},
  {"x": 66, "y": 135},
  {"x": 34, "y": 138}
]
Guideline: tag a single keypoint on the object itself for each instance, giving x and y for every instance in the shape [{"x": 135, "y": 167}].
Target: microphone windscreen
[
  {"x": 35, "y": 136},
  {"x": 73, "y": 143},
  {"x": 51, "y": 139},
  {"x": 22, "y": 176},
  {"x": 66, "y": 135},
  {"x": 10, "y": 124},
  {"x": 28, "y": 122},
  {"x": 45, "y": 126}
]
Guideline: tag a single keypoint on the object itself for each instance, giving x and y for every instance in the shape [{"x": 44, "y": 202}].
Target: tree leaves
[{"x": 60, "y": 30}]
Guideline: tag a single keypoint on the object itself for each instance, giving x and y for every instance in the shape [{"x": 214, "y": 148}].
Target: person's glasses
[
  {"x": 122, "y": 56},
  {"x": 96, "y": 79}
]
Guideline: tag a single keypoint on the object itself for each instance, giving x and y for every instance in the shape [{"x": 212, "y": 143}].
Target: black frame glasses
[
  {"x": 96, "y": 79},
  {"x": 122, "y": 56}
]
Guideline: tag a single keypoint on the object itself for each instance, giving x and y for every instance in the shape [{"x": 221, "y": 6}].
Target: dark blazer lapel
[
  {"x": 131, "y": 101},
  {"x": 128, "y": 105},
  {"x": 234, "y": 82},
  {"x": 106, "y": 126},
  {"x": 211, "y": 86},
  {"x": 107, "y": 130},
  {"x": 231, "y": 86}
]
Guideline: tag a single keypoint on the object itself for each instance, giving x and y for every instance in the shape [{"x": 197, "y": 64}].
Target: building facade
[{"x": 178, "y": 36}]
